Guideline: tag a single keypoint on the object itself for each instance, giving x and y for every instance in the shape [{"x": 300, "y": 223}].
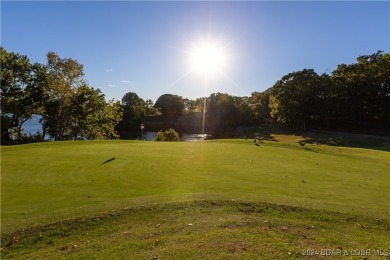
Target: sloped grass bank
[{"x": 216, "y": 229}]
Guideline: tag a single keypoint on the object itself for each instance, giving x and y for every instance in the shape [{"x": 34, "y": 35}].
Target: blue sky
[{"x": 143, "y": 46}]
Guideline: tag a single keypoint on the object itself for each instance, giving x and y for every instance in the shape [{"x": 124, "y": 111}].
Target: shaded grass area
[
  {"x": 207, "y": 229},
  {"x": 278, "y": 133},
  {"x": 348, "y": 140}
]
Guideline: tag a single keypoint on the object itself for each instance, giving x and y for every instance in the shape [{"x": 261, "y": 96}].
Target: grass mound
[{"x": 202, "y": 230}]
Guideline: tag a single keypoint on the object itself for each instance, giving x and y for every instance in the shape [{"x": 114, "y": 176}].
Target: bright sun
[{"x": 208, "y": 59}]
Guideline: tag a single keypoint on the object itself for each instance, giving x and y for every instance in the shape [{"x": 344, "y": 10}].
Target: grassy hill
[{"x": 119, "y": 191}]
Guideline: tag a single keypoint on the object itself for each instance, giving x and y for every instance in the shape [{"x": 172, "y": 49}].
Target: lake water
[
  {"x": 33, "y": 126},
  {"x": 149, "y": 136}
]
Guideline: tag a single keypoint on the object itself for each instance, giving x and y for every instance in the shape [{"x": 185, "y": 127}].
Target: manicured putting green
[{"x": 48, "y": 182}]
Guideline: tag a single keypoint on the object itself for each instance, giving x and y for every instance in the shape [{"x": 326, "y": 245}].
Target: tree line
[
  {"x": 69, "y": 108},
  {"x": 353, "y": 96}
]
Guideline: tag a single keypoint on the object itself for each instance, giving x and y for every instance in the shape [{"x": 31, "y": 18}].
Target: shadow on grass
[
  {"x": 374, "y": 142},
  {"x": 381, "y": 143},
  {"x": 267, "y": 137},
  {"x": 263, "y": 134},
  {"x": 109, "y": 160},
  {"x": 308, "y": 149}
]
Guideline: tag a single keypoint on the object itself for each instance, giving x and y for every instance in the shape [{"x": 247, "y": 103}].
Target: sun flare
[{"x": 208, "y": 59}]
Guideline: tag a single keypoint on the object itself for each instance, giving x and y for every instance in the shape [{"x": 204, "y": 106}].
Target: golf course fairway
[{"x": 214, "y": 199}]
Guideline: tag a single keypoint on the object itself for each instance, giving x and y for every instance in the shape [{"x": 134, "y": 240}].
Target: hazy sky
[{"x": 143, "y": 46}]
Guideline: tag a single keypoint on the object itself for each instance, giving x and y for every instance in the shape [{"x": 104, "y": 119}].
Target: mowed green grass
[
  {"x": 205, "y": 230},
  {"x": 49, "y": 183}
]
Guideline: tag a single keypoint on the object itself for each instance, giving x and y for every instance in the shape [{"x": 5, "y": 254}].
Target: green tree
[
  {"x": 243, "y": 105},
  {"x": 222, "y": 114},
  {"x": 64, "y": 77},
  {"x": 294, "y": 99},
  {"x": 199, "y": 105},
  {"x": 150, "y": 110},
  {"x": 86, "y": 103},
  {"x": 362, "y": 92},
  {"x": 134, "y": 110},
  {"x": 259, "y": 103},
  {"x": 21, "y": 92},
  {"x": 191, "y": 121},
  {"x": 73, "y": 109},
  {"x": 189, "y": 106},
  {"x": 170, "y": 106},
  {"x": 101, "y": 124}
]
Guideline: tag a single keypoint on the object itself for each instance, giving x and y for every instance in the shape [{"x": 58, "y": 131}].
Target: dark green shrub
[{"x": 169, "y": 135}]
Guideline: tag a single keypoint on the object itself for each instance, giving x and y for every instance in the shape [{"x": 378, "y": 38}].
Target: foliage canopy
[
  {"x": 68, "y": 107},
  {"x": 353, "y": 96}
]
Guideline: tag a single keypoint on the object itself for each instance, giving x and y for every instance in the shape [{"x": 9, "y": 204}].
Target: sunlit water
[{"x": 33, "y": 126}]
